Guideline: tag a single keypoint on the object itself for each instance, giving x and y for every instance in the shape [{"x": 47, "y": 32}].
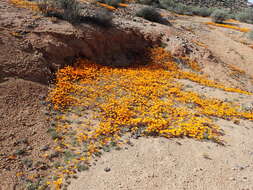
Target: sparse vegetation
[
  {"x": 32, "y": 186},
  {"x": 150, "y": 14},
  {"x": 20, "y": 152},
  {"x": 54, "y": 134},
  {"x": 146, "y": 2},
  {"x": 27, "y": 162},
  {"x": 68, "y": 155},
  {"x": 64, "y": 9},
  {"x": 102, "y": 17},
  {"x": 202, "y": 11},
  {"x": 250, "y": 35},
  {"x": 178, "y": 8},
  {"x": 71, "y": 11},
  {"x": 219, "y": 16},
  {"x": 82, "y": 167},
  {"x": 245, "y": 16}
]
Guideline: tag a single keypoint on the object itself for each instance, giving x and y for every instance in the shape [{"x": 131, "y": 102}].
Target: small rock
[
  {"x": 29, "y": 148},
  {"x": 34, "y": 133},
  {"x": 75, "y": 176},
  {"x": 107, "y": 169},
  {"x": 45, "y": 148},
  {"x": 136, "y": 136},
  {"x": 237, "y": 122}
]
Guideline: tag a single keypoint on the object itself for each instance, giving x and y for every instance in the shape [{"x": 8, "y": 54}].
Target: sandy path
[{"x": 157, "y": 163}]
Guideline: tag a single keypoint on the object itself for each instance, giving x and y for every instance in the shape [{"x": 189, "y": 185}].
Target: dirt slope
[
  {"x": 176, "y": 164},
  {"x": 26, "y": 41}
]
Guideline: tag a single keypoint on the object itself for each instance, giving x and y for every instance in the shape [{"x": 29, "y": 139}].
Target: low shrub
[
  {"x": 45, "y": 6},
  {"x": 219, "y": 16},
  {"x": 246, "y": 16},
  {"x": 250, "y": 35},
  {"x": 180, "y": 8},
  {"x": 150, "y": 14},
  {"x": 146, "y": 2},
  {"x": 232, "y": 16},
  {"x": 102, "y": 17},
  {"x": 71, "y": 10},
  {"x": 68, "y": 10},
  {"x": 202, "y": 11},
  {"x": 167, "y": 4}
]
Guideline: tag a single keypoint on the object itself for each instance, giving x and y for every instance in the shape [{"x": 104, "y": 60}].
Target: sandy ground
[{"x": 159, "y": 163}]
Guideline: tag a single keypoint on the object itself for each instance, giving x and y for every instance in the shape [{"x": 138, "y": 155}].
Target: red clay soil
[
  {"x": 23, "y": 130},
  {"x": 23, "y": 124}
]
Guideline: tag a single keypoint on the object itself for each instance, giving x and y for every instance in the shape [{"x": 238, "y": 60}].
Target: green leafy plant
[
  {"x": 219, "y": 16},
  {"x": 82, "y": 167},
  {"x": 202, "y": 11},
  {"x": 150, "y": 14},
  {"x": 20, "y": 152},
  {"x": 68, "y": 10},
  {"x": 167, "y": 4},
  {"x": 246, "y": 16},
  {"x": 148, "y": 2},
  {"x": 250, "y": 35},
  {"x": 102, "y": 17}
]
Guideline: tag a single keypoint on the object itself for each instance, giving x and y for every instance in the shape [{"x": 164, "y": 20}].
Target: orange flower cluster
[
  {"x": 111, "y": 8},
  {"x": 235, "y": 71},
  {"x": 26, "y": 4},
  {"x": 229, "y": 26},
  {"x": 123, "y": 5},
  {"x": 105, "y": 103},
  {"x": 232, "y": 21}
]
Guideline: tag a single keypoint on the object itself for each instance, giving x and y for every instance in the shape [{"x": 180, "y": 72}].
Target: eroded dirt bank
[{"x": 34, "y": 47}]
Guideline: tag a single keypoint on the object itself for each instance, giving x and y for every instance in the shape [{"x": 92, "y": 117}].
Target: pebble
[
  {"x": 107, "y": 169},
  {"x": 136, "y": 136},
  {"x": 237, "y": 167},
  {"x": 75, "y": 176},
  {"x": 29, "y": 148},
  {"x": 45, "y": 148}
]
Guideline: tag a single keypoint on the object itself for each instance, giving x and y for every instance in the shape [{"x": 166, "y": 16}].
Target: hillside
[
  {"x": 231, "y": 4},
  {"x": 115, "y": 101}
]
